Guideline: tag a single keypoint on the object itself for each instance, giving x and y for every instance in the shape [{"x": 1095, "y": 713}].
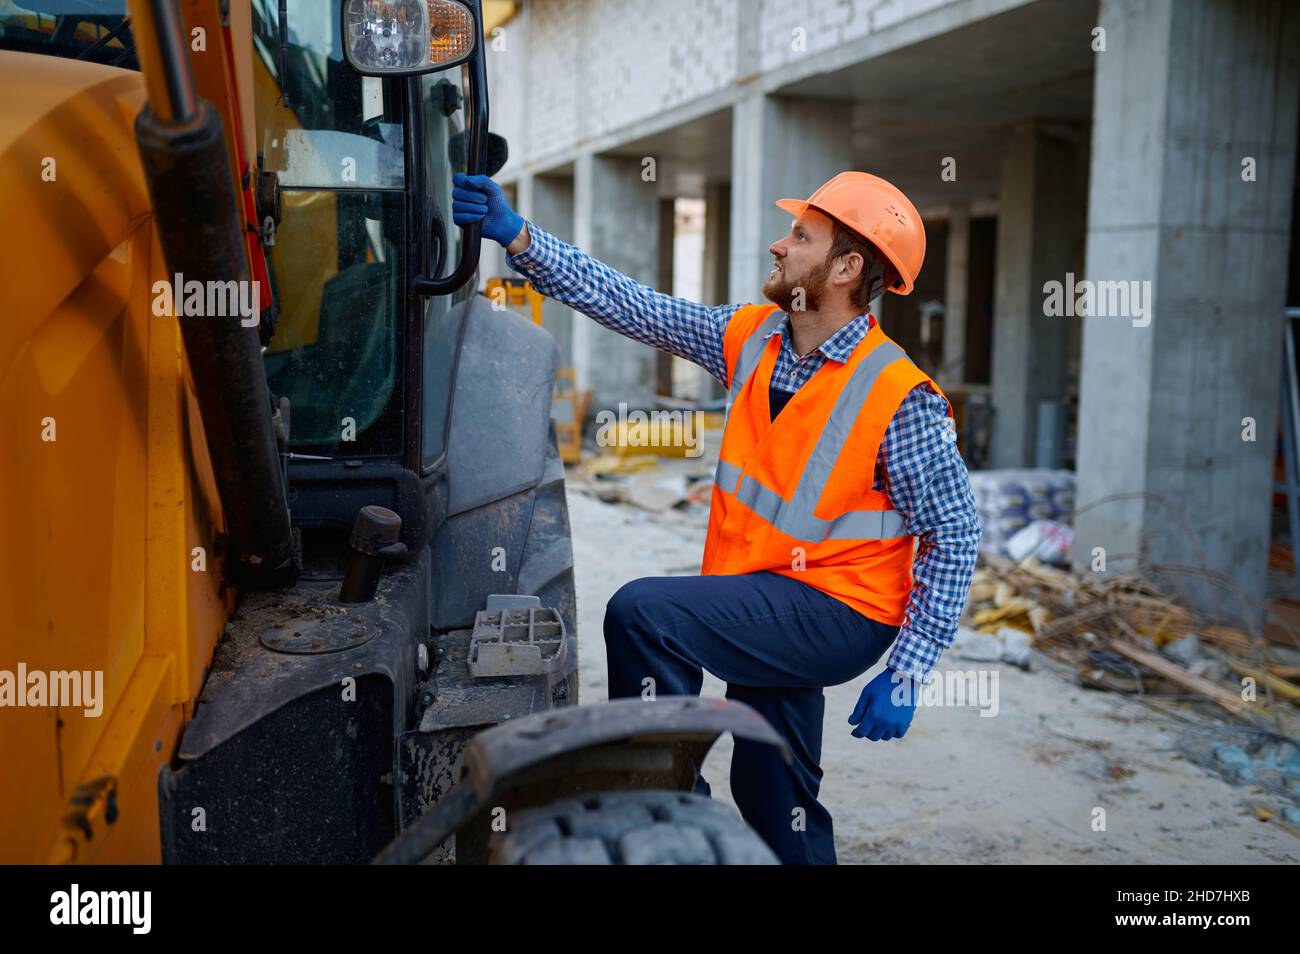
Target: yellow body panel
[{"x": 100, "y": 523}]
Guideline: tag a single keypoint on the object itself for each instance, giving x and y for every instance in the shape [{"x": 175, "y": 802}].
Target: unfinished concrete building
[{"x": 1138, "y": 153}]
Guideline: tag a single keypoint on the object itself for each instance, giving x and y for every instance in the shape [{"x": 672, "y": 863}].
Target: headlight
[{"x": 387, "y": 37}]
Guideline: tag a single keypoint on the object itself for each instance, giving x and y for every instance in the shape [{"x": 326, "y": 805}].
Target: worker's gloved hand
[
  {"x": 479, "y": 199},
  {"x": 886, "y": 706}
]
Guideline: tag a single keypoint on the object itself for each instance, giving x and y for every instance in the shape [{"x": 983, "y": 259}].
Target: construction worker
[{"x": 842, "y": 521}]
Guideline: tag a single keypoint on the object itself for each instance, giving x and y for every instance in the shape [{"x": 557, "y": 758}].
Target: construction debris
[
  {"x": 1006, "y": 645},
  {"x": 649, "y": 483},
  {"x": 1070, "y": 616},
  {"x": 1047, "y": 541},
  {"x": 655, "y": 479},
  {"x": 1136, "y": 633}
]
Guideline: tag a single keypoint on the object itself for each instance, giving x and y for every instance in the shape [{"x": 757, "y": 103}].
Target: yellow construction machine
[{"x": 285, "y": 555}]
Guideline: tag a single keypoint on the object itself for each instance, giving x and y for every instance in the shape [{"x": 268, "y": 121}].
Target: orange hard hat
[{"x": 877, "y": 211}]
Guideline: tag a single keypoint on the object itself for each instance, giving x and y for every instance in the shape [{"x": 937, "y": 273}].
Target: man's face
[{"x": 798, "y": 279}]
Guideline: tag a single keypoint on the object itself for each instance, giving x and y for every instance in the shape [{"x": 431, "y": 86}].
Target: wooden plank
[
  {"x": 1230, "y": 702},
  {"x": 1287, "y": 690}
]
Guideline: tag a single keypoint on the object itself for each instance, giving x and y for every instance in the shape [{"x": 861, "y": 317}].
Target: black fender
[
  {"x": 504, "y": 526},
  {"x": 620, "y": 744}
]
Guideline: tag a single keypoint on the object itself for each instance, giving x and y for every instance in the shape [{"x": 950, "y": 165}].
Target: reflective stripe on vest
[
  {"x": 796, "y": 517},
  {"x": 751, "y": 353}
]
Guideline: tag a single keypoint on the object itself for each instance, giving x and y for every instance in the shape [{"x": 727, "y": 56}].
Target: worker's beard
[{"x": 783, "y": 290}]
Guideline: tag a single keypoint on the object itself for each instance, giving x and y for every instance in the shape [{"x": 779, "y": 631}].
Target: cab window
[{"x": 335, "y": 141}]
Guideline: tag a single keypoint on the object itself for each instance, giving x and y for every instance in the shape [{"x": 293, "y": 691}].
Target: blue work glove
[
  {"x": 479, "y": 199},
  {"x": 886, "y": 707}
]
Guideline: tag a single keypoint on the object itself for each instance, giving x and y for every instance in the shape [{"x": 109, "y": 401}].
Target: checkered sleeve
[
  {"x": 927, "y": 483},
  {"x": 676, "y": 325}
]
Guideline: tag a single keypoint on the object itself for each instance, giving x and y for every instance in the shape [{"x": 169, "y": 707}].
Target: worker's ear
[{"x": 848, "y": 268}]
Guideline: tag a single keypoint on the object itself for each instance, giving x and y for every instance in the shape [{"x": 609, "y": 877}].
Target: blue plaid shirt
[{"x": 917, "y": 465}]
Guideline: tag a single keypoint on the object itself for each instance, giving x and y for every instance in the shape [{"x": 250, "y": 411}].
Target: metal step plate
[{"x": 517, "y": 641}]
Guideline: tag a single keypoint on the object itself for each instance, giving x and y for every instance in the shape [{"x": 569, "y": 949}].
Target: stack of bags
[{"x": 1009, "y": 501}]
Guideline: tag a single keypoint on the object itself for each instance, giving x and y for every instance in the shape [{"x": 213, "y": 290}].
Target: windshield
[
  {"x": 94, "y": 30},
  {"x": 334, "y": 140},
  {"x": 333, "y": 128},
  {"x": 338, "y": 258}
]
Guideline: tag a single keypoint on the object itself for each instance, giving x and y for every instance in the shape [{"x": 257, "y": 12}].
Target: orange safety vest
[{"x": 794, "y": 496}]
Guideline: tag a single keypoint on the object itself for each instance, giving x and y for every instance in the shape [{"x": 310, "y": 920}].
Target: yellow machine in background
[{"x": 513, "y": 292}]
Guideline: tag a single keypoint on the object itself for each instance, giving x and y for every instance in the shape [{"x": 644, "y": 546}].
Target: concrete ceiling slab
[{"x": 954, "y": 95}]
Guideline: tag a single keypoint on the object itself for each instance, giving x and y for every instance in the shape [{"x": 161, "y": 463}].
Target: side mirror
[{"x": 498, "y": 151}]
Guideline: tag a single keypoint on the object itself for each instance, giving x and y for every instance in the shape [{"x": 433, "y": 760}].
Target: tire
[{"x": 630, "y": 828}]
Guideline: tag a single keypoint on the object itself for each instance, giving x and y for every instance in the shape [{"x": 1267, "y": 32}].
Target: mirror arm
[
  {"x": 476, "y": 164},
  {"x": 283, "y": 59}
]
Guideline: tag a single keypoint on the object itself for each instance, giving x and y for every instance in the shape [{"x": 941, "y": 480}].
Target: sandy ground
[{"x": 1023, "y": 786}]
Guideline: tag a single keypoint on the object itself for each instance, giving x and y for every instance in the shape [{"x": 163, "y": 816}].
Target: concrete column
[
  {"x": 524, "y": 195},
  {"x": 1041, "y": 217},
  {"x": 1189, "y": 97},
  {"x": 954, "y": 298},
  {"x": 552, "y": 209},
  {"x": 717, "y": 265},
  {"x": 663, "y": 383},
  {"x": 781, "y": 147},
  {"x": 717, "y": 243},
  {"x": 616, "y": 220}
]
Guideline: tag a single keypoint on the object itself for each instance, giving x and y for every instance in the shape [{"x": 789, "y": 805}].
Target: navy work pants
[{"x": 777, "y": 643}]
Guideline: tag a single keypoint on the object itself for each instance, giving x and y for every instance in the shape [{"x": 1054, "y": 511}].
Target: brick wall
[{"x": 573, "y": 70}]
